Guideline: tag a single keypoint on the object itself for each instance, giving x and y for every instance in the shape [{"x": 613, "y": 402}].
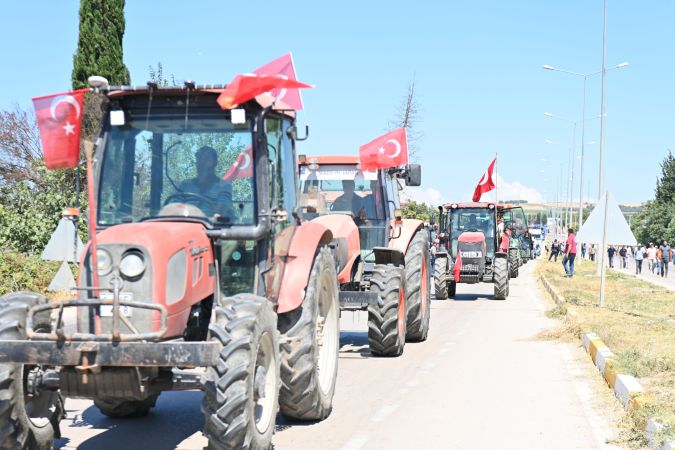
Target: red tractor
[
  {"x": 469, "y": 248},
  {"x": 206, "y": 277},
  {"x": 382, "y": 259}
]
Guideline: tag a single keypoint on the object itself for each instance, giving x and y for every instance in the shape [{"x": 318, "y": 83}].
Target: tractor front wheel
[
  {"x": 514, "y": 263},
  {"x": 386, "y": 319},
  {"x": 452, "y": 289},
  {"x": 241, "y": 390},
  {"x": 441, "y": 278},
  {"x": 29, "y": 420},
  {"x": 309, "y": 355},
  {"x": 501, "y": 278},
  {"x": 417, "y": 292}
]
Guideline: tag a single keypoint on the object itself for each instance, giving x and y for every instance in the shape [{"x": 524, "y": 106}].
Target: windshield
[
  {"x": 341, "y": 189},
  {"x": 472, "y": 219},
  {"x": 515, "y": 218},
  {"x": 169, "y": 165}
]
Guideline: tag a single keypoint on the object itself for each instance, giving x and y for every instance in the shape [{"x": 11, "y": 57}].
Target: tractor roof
[
  {"x": 464, "y": 205},
  {"x": 263, "y": 100},
  {"x": 330, "y": 159}
]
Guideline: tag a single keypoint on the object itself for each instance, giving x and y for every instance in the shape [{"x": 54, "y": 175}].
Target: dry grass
[{"x": 637, "y": 323}]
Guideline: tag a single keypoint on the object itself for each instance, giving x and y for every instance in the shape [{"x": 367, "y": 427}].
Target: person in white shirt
[
  {"x": 651, "y": 258},
  {"x": 639, "y": 256}
]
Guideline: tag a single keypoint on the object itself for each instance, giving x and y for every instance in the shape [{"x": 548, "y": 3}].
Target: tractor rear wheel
[
  {"x": 514, "y": 263},
  {"x": 309, "y": 356},
  {"x": 125, "y": 408},
  {"x": 29, "y": 421},
  {"x": 417, "y": 292},
  {"x": 386, "y": 319},
  {"x": 441, "y": 278},
  {"x": 241, "y": 390},
  {"x": 501, "y": 278}
]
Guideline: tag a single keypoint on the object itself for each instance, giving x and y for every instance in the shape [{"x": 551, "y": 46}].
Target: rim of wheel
[
  {"x": 424, "y": 288},
  {"x": 401, "y": 311},
  {"x": 38, "y": 408},
  {"x": 326, "y": 334},
  {"x": 265, "y": 366}
]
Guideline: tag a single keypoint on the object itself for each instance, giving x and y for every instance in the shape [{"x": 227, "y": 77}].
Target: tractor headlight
[
  {"x": 103, "y": 261},
  {"x": 132, "y": 264}
]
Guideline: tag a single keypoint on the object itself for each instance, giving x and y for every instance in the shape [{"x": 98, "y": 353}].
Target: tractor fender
[
  {"x": 304, "y": 245},
  {"x": 401, "y": 240},
  {"x": 501, "y": 255},
  {"x": 346, "y": 233}
]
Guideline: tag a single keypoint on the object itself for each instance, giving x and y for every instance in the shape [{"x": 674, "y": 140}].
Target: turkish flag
[
  {"x": 59, "y": 119},
  {"x": 486, "y": 183},
  {"x": 390, "y": 150},
  {"x": 284, "y": 67},
  {"x": 457, "y": 268},
  {"x": 249, "y": 85},
  {"x": 242, "y": 167}
]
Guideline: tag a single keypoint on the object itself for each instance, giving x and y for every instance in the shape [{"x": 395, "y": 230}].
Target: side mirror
[{"x": 413, "y": 175}]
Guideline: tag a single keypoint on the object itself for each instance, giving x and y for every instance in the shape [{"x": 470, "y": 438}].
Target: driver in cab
[
  {"x": 348, "y": 201},
  {"x": 212, "y": 194}
]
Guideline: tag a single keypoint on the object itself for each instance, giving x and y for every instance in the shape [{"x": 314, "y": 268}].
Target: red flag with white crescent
[
  {"x": 242, "y": 167},
  {"x": 284, "y": 67},
  {"x": 59, "y": 119},
  {"x": 457, "y": 267},
  {"x": 249, "y": 85},
  {"x": 390, "y": 150},
  {"x": 486, "y": 183}
]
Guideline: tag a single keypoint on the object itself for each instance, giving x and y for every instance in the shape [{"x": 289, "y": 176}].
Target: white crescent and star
[
  {"x": 397, "y": 146},
  {"x": 64, "y": 99},
  {"x": 247, "y": 162}
]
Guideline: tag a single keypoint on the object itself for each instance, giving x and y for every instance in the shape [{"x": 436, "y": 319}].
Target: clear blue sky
[{"x": 477, "y": 65}]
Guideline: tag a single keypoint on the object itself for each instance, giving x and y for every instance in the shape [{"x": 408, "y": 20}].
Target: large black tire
[
  {"x": 417, "y": 287},
  {"x": 386, "y": 319},
  {"x": 241, "y": 391},
  {"x": 452, "y": 289},
  {"x": 441, "y": 278},
  {"x": 514, "y": 263},
  {"x": 18, "y": 430},
  {"x": 112, "y": 407},
  {"x": 501, "y": 278},
  {"x": 309, "y": 356}
]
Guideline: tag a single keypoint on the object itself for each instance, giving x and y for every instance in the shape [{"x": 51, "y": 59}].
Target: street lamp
[{"x": 585, "y": 76}]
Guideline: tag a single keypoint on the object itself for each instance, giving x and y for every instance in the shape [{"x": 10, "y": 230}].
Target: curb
[{"x": 626, "y": 387}]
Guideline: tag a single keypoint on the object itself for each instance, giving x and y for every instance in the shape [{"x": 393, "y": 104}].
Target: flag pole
[{"x": 496, "y": 197}]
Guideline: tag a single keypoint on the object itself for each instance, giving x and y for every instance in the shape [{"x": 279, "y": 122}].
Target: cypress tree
[{"x": 99, "y": 46}]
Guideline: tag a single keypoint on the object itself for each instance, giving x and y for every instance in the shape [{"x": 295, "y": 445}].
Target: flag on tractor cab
[
  {"x": 486, "y": 183},
  {"x": 284, "y": 67},
  {"x": 390, "y": 150},
  {"x": 242, "y": 167},
  {"x": 249, "y": 85},
  {"x": 457, "y": 267},
  {"x": 59, "y": 118}
]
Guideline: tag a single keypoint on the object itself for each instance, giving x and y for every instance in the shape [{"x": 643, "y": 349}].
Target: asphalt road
[{"x": 483, "y": 380}]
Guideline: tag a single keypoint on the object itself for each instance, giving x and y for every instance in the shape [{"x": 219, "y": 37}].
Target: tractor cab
[{"x": 514, "y": 217}]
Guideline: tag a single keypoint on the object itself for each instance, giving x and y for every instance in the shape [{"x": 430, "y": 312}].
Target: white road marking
[
  {"x": 383, "y": 412},
  {"x": 355, "y": 443},
  {"x": 450, "y": 343}
]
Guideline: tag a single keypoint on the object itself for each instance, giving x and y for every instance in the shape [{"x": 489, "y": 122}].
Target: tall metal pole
[
  {"x": 581, "y": 164},
  {"x": 603, "y": 251},
  {"x": 601, "y": 185},
  {"x": 574, "y": 157}
]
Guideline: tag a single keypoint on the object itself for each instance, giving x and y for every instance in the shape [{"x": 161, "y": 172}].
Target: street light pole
[
  {"x": 581, "y": 163},
  {"x": 601, "y": 176}
]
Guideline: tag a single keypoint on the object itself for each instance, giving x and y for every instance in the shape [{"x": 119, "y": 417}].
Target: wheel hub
[{"x": 259, "y": 382}]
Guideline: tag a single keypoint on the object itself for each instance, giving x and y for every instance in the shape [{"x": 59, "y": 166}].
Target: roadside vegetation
[{"x": 637, "y": 323}]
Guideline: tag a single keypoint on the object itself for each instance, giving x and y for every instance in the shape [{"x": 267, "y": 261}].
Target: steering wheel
[{"x": 184, "y": 197}]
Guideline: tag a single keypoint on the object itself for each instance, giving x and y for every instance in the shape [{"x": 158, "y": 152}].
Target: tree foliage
[
  {"x": 99, "y": 46},
  {"x": 421, "y": 211},
  {"x": 656, "y": 221},
  {"x": 407, "y": 116}
]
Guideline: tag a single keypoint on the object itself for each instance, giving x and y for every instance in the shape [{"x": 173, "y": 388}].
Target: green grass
[{"x": 637, "y": 323}]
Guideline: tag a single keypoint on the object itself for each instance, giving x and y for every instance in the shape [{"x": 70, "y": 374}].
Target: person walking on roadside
[
  {"x": 665, "y": 258},
  {"x": 622, "y": 253},
  {"x": 658, "y": 259},
  {"x": 651, "y": 258},
  {"x": 640, "y": 253},
  {"x": 555, "y": 249},
  {"x": 591, "y": 252},
  {"x": 610, "y": 253},
  {"x": 570, "y": 253}
]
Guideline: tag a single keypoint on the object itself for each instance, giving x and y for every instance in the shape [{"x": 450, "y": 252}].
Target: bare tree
[
  {"x": 20, "y": 150},
  {"x": 407, "y": 116}
]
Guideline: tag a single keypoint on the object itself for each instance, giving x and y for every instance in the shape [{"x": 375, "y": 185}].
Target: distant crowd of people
[{"x": 658, "y": 256}]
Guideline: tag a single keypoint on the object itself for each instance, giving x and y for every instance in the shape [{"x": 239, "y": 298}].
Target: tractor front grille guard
[{"x": 117, "y": 318}]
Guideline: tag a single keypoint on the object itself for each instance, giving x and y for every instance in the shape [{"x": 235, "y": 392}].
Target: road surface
[{"x": 483, "y": 380}]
